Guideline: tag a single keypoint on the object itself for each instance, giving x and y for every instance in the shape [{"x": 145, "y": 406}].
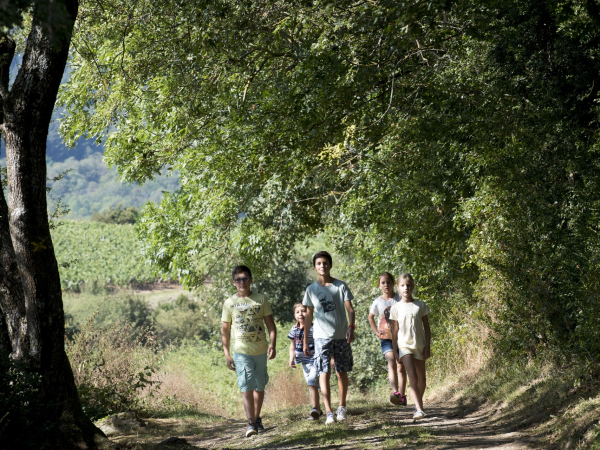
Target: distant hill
[{"x": 90, "y": 187}]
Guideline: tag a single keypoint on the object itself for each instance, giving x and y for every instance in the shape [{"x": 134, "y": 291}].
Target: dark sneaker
[
  {"x": 315, "y": 414},
  {"x": 259, "y": 425},
  {"x": 395, "y": 398},
  {"x": 251, "y": 429}
]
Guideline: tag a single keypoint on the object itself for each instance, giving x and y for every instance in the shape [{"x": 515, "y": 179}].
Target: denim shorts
[
  {"x": 386, "y": 346},
  {"x": 251, "y": 371},
  {"x": 339, "y": 349},
  {"x": 310, "y": 374}
]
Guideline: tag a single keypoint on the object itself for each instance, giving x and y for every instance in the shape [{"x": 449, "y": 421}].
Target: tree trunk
[{"x": 30, "y": 292}]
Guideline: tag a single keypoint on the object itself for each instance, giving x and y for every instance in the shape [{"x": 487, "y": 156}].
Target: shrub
[
  {"x": 184, "y": 319},
  {"x": 24, "y": 420},
  {"x": 112, "y": 366},
  {"x": 118, "y": 215}
]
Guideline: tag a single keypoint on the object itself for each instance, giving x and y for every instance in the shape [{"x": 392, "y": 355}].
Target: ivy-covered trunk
[{"x": 30, "y": 292}]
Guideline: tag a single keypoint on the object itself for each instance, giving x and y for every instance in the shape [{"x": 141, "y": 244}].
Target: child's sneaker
[
  {"x": 251, "y": 429},
  {"x": 329, "y": 419},
  {"x": 419, "y": 414},
  {"x": 259, "y": 425},
  {"x": 341, "y": 413},
  {"x": 315, "y": 414},
  {"x": 396, "y": 398},
  {"x": 403, "y": 400}
]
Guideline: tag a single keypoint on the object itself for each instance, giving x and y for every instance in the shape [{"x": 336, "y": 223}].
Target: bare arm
[
  {"x": 394, "y": 327},
  {"x": 373, "y": 324},
  {"x": 307, "y": 324},
  {"x": 292, "y": 355},
  {"x": 351, "y": 321},
  {"x": 270, "y": 323},
  {"x": 427, "y": 349},
  {"x": 225, "y": 336}
]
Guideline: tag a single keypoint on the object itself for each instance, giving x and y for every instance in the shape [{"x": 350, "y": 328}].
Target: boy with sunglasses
[{"x": 248, "y": 313}]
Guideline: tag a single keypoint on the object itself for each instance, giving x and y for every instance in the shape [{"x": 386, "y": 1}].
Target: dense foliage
[{"x": 456, "y": 140}]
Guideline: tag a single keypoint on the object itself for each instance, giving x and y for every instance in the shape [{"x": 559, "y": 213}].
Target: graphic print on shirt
[
  {"x": 327, "y": 303},
  {"x": 248, "y": 323},
  {"x": 385, "y": 325}
]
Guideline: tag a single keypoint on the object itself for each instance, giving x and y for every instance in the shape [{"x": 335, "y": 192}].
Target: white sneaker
[
  {"x": 329, "y": 418},
  {"x": 341, "y": 413},
  {"x": 419, "y": 414}
]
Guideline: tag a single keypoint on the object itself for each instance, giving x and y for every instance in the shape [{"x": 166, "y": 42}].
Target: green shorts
[{"x": 251, "y": 371}]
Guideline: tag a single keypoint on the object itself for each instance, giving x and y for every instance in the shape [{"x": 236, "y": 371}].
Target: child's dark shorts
[{"x": 339, "y": 349}]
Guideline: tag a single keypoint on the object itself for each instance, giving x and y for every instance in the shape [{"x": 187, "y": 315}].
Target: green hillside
[
  {"x": 89, "y": 186},
  {"x": 105, "y": 253}
]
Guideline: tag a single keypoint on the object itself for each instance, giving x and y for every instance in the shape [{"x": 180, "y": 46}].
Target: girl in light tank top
[{"x": 380, "y": 313}]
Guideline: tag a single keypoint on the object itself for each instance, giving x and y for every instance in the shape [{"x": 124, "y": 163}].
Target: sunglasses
[{"x": 241, "y": 280}]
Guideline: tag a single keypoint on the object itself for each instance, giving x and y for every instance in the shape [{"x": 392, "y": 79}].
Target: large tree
[
  {"x": 453, "y": 139},
  {"x": 30, "y": 291}
]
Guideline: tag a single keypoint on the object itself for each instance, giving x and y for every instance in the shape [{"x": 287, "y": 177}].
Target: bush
[
  {"x": 112, "y": 366},
  {"x": 184, "y": 319},
  {"x": 24, "y": 420},
  {"x": 118, "y": 215}
]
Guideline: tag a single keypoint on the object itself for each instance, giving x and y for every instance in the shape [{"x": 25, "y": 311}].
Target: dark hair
[
  {"x": 386, "y": 274},
  {"x": 240, "y": 269},
  {"x": 322, "y": 254},
  {"x": 407, "y": 276}
]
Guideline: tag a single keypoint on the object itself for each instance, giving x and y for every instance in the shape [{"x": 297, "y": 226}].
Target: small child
[
  {"x": 381, "y": 309},
  {"x": 246, "y": 314},
  {"x": 411, "y": 338},
  {"x": 297, "y": 356}
]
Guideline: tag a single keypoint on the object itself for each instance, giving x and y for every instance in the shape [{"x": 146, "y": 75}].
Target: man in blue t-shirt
[{"x": 327, "y": 300}]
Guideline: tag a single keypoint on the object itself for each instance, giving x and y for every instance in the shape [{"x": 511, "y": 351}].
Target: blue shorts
[
  {"x": 386, "y": 346},
  {"x": 339, "y": 349},
  {"x": 310, "y": 374},
  {"x": 251, "y": 371}
]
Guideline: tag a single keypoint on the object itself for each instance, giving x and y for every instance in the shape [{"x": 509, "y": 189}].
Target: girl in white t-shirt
[
  {"x": 380, "y": 311},
  {"x": 411, "y": 338}
]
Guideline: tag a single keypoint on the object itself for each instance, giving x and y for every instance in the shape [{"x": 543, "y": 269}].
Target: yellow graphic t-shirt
[{"x": 247, "y": 324}]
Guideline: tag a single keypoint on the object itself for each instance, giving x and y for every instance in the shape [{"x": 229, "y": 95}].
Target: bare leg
[
  {"x": 324, "y": 382},
  {"x": 314, "y": 397},
  {"x": 409, "y": 363},
  {"x": 402, "y": 379},
  {"x": 392, "y": 374},
  {"x": 420, "y": 366},
  {"x": 259, "y": 396},
  {"x": 342, "y": 386},
  {"x": 248, "y": 398}
]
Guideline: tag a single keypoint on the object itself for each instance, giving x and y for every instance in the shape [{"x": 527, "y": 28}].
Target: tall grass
[{"x": 112, "y": 365}]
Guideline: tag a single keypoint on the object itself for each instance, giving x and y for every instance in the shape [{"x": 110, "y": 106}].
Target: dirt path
[{"x": 368, "y": 426}]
